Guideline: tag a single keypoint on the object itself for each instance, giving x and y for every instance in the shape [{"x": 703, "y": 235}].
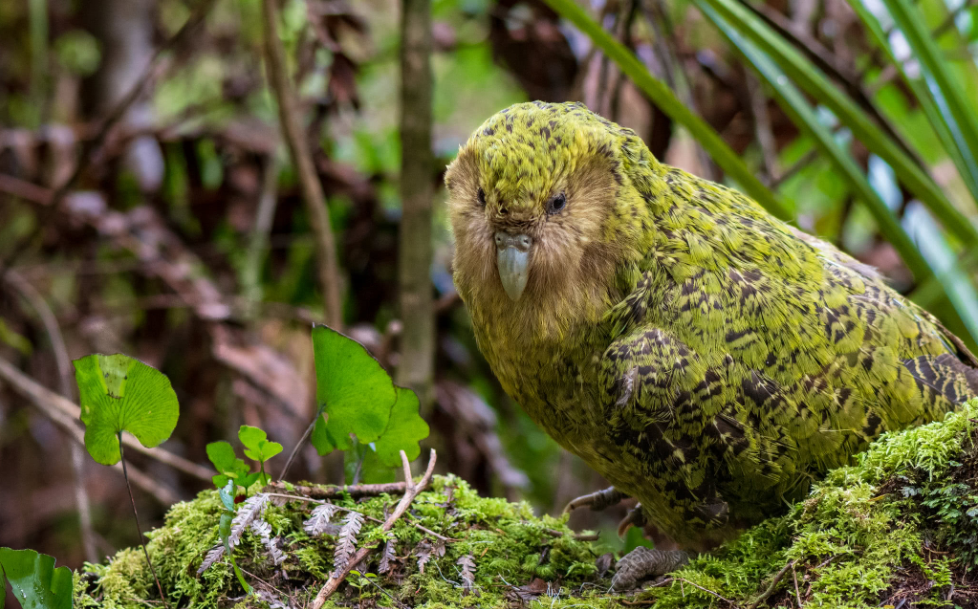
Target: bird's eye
[
  {"x": 481, "y": 195},
  {"x": 556, "y": 203}
]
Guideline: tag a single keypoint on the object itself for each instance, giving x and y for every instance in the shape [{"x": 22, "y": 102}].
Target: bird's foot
[
  {"x": 645, "y": 563},
  {"x": 597, "y": 501},
  {"x": 634, "y": 517}
]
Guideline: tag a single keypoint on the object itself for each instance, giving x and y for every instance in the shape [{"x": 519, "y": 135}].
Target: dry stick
[
  {"x": 711, "y": 592},
  {"x": 139, "y": 529},
  {"x": 770, "y": 589},
  {"x": 312, "y": 190},
  {"x": 300, "y": 444},
  {"x": 763, "y": 132},
  {"x": 258, "y": 240},
  {"x": 118, "y": 111},
  {"x": 66, "y": 378},
  {"x": 794, "y": 576},
  {"x": 65, "y": 412},
  {"x": 410, "y": 493}
]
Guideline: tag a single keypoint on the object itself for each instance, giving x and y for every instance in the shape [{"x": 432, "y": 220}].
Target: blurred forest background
[{"x": 195, "y": 182}]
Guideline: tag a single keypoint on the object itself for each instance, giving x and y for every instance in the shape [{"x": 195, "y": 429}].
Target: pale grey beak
[{"x": 512, "y": 259}]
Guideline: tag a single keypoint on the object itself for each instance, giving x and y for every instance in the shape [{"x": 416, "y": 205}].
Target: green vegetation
[
  {"x": 900, "y": 523},
  {"x": 35, "y": 582}
]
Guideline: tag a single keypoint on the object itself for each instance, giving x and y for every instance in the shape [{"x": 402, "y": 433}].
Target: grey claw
[{"x": 597, "y": 501}]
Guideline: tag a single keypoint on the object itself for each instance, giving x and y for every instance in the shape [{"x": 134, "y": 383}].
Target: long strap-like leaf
[
  {"x": 664, "y": 98},
  {"x": 804, "y": 74}
]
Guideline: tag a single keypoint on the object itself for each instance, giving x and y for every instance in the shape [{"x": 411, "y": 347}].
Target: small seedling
[
  {"x": 120, "y": 394},
  {"x": 258, "y": 448},
  {"x": 230, "y": 467}
]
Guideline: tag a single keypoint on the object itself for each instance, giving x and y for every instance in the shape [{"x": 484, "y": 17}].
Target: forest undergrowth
[{"x": 897, "y": 528}]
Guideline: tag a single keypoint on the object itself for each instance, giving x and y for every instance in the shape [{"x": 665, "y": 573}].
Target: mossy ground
[{"x": 899, "y": 527}]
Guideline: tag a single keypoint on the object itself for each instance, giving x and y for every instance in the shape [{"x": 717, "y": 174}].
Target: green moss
[{"x": 901, "y": 523}]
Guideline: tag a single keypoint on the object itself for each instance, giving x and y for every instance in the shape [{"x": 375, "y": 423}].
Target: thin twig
[
  {"x": 333, "y": 583},
  {"x": 139, "y": 529},
  {"x": 794, "y": 576},
  {"x": 711, "y": 592},
  {"x": 664, "y": 43},
  {"x": 763, "y": 132},
  {"x": 298, "y": 445},
  {"x": 64, "y": 412},
  {"x": 66, "y": 378},
  {"x": 258, "y": 241},
  {"x": 770, "y": 589},
  {"x": 312, "y": 190}
]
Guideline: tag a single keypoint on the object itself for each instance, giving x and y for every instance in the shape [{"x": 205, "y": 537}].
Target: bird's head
[{"x": 543, "y": 208}]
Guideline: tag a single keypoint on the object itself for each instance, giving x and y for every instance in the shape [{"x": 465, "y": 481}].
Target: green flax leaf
[
  {"x": 119, "y": 394},
  {"x": 660, "y": 94},
  {"x": 804, "y": 74},
  {"x": 34, "y": 580}
]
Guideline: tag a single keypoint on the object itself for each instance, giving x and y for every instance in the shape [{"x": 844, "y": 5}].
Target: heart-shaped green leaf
[
  {"x": 257, "y": 446},
  {"x": 351, "y": 388},
  {"x": 119, "y": 394},
  {"x": 404, "y": 430},
  {"x": 34, "y": 580}
]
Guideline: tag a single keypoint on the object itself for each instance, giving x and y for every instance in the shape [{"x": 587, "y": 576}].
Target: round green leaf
[
  {"x": 119, "y": 394},
  {"x": 352, "y": 388},
  {"x": 268, "y": 449}
]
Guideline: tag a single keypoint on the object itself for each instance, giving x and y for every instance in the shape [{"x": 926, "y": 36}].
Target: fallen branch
[
  {"x": 331, "y": 492},
  {"x": 410, "y": 493}
]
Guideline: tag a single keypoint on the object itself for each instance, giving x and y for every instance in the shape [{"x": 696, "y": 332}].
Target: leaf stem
[{"x": 139, "y": 529}]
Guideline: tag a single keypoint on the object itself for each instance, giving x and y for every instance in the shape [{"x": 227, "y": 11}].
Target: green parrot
[{"x": 706, "y": 358}]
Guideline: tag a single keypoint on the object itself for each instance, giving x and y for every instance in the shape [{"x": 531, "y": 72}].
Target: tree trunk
[{"x": 416, "y": 366}]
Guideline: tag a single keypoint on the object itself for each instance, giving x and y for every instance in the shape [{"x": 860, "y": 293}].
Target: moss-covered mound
[{"x": 900, "y": 527}]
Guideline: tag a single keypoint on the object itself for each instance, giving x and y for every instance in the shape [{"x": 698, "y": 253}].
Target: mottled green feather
[{"x": 703, "y": 356}]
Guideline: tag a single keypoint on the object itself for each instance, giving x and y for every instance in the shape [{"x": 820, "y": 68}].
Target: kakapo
[{"x": 706, "y": 358}]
